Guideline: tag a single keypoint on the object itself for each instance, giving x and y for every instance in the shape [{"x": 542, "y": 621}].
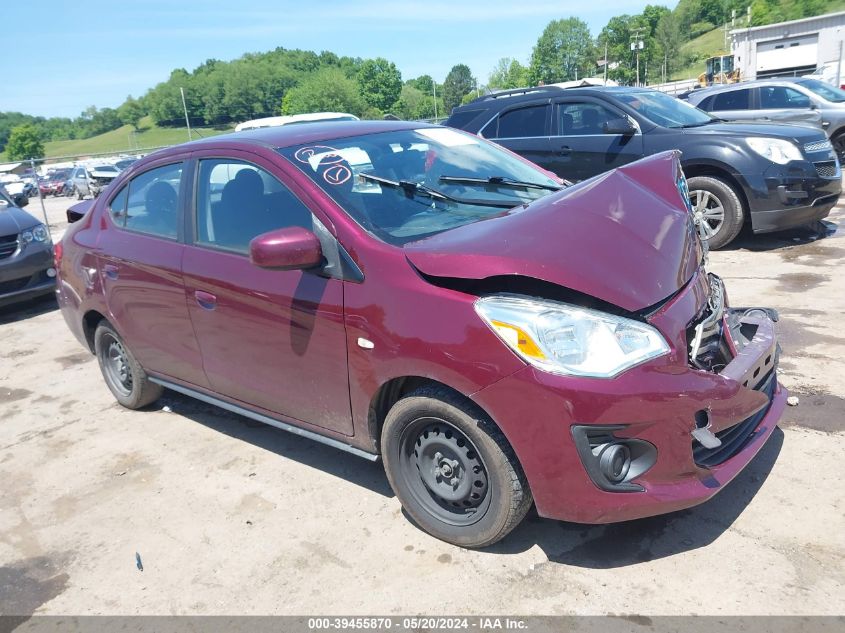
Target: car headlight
[
  {"x": 775, "y": 149},
  {"x": 570, "y": 340},
  {"x": 36, "y": 234}
]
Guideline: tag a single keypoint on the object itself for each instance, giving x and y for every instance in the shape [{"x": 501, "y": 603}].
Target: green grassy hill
[
  {"x": 126, "y": 139},
  {"x": 700, "y": 48}
]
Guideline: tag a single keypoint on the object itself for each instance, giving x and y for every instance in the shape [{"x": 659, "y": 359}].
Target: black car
[
  {"x": 773, "y": 176},
  {"x": 26, "y": 255}
]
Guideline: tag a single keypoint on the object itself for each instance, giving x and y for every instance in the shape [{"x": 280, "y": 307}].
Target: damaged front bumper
[{"x": 705, "y": 417}]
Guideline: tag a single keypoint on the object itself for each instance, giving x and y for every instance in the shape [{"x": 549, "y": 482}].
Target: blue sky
[{"x": 61, "y": 56}]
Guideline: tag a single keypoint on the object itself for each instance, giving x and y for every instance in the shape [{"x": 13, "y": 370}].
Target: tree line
[{"x": 284, "y": 81}]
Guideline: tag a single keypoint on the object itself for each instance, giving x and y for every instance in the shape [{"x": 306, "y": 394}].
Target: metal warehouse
[{"x": 796, "y": 47}]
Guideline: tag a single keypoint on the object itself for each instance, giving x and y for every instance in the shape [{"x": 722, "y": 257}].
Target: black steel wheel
[
  {"x": 452, "y": 469},
  {"x": 116, "y": 366},
  {"x": 124, "y": 376},
  {"x": 444, "y": 471}
]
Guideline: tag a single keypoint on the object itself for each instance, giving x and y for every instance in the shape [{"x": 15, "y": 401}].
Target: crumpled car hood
[{"x": 624, "y": 237}]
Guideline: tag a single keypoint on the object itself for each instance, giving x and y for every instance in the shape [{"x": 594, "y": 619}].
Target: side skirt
[{"x": 266, "y": 419}]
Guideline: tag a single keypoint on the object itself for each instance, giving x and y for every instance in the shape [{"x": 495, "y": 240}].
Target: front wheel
[
  {"x": 452, "y": 468},
  {"x": 717, "y": 210},
  {"x": 124, "y": 376}
]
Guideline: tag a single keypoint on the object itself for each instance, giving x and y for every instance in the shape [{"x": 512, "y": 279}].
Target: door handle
[
  {"x": 111, "y": 271},
  {"x": 565, "y": 150},
  {"x": 205, "y": 300}
]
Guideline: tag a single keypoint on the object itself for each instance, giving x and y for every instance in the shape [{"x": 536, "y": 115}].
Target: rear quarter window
[{"x": 461, "y": 119}]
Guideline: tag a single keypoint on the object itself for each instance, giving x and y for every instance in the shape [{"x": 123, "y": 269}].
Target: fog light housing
[{"x": 613, "y": 462}]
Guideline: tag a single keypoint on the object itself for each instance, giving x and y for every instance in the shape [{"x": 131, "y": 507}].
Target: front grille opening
[
  {"x": 8, "y": 245},
  {"x": 826, "y": 168},
  {"x": 736, "y": 437}
]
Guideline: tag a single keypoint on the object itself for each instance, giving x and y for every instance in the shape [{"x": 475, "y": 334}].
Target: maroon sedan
[{"x": 418, "y": 294}]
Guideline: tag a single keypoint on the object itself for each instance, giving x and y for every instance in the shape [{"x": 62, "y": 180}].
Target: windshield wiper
[
  {"x": 501, "y": 181},
  {"x": 412, "y": 188},
  {"x": 707, "y": 122}
]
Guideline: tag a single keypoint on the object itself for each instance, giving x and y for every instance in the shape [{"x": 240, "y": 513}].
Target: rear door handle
[
  {"x": 111, "y": 271},
  {"x": 205, "y": 300},
  {"x": 565, "y": 150}
]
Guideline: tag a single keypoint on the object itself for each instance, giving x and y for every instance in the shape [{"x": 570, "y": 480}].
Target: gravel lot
[{"x": 229, "y": 516}]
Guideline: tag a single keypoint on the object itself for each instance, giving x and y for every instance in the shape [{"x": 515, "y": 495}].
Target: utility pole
[
  {"x": 434, "y": 88},
  {"x": 605, "y": 62},
  {"x": 185, "y": 108},
  {"x": 636, "y": 46}
]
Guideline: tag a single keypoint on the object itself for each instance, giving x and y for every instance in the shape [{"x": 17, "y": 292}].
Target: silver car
[
  {"x": 783, "y": 100},
  {"x": 90, "y": 181}
]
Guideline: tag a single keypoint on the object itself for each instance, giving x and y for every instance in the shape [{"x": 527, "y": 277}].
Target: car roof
[
  {"x": 301, "y": 133},
  {"x": 502, "y": 98},
  {"x": 771, "y": 81}
]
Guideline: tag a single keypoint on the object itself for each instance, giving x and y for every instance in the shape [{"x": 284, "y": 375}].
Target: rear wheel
[
  {"x": 452, "y": 468},
  {"x": 124, "y": 376},
  {"x": 717, "y": 210}
]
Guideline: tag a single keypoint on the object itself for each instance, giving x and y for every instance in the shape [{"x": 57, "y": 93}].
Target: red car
[
  {"x": 55, "y": 183},
  {"x": 418, "y": 294}
]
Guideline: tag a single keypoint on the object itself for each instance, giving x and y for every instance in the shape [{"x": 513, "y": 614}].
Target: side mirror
[
  {"x": 291, "y": 248},
  {"x": 20, "y": 200},
  {"x": 619, "y": 126}
]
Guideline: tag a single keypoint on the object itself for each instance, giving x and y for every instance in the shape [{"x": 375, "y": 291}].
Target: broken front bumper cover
[{"x": 656, "y": 403}]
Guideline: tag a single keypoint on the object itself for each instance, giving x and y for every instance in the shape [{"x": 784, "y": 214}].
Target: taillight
[{"x": 57, "y": 255}]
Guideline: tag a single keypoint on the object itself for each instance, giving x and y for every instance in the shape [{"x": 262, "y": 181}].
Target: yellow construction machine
[{"x": 719, "y": 69}]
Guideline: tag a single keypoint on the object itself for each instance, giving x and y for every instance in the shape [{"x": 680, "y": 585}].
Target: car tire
[
  {"x": 452, "y": 469},
  {"x": 124, "y": 376},
  {"x": 718, "y": 210}
]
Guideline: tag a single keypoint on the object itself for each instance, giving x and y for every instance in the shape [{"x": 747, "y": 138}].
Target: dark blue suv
[
  {"x": 771, "y": 176},
  {"x": 26, "y": 254}
]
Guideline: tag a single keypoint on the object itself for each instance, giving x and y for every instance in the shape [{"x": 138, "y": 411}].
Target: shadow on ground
[
  {"x": 819, "y": 230},
  {"x": 591, "y": 546},
  {"x": 622, "y": 544},
  {"x": 356, "y": 470}
]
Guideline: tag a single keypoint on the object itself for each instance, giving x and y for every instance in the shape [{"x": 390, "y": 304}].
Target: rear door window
[
  {"x": 153, "y": 202},
  {"x": 527, "y": 122},
  {"x": 733, "y": 100},
  {"x": 117, "y": 207}
]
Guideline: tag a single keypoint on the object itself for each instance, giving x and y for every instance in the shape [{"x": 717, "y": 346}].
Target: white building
[{"x": 797, "y": 47}]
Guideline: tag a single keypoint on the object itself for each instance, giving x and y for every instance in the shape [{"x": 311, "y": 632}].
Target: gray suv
[{"x": 785, "y": 100}]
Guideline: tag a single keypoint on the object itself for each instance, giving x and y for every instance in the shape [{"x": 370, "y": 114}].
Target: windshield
[
  {"x": 409, "y": 184},
  {"x": 664, "y": 110},
  {"x": 825, "y": 91}
]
